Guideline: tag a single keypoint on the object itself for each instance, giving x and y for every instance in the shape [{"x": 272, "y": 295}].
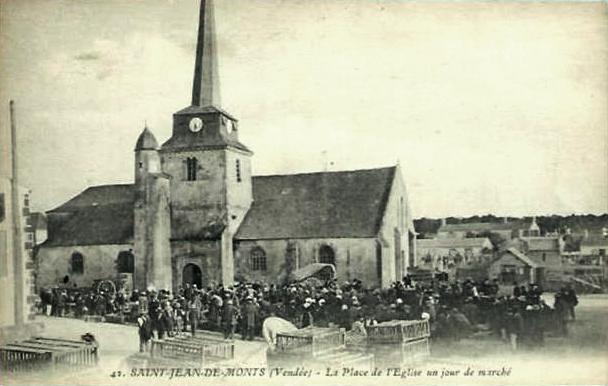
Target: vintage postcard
[{"x": 297, "y": 192}]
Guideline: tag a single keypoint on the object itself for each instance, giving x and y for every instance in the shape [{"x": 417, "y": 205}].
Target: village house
[
  {"x": 508, "y": 230},
  {"x": 595, "y": 244},
  {"x": 446, "y": 255},
  {"x": 513, "y": 266}
]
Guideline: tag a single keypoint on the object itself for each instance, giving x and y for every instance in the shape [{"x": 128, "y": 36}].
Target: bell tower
[{"x": 210, "y": 168}]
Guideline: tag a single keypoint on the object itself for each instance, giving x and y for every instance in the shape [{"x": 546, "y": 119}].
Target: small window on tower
[
  {"x": 238, "y": 170},
  {"x": 191, "y": 166}
]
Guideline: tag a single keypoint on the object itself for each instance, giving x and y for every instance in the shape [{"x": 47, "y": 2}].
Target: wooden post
[{"x": 18, "y": 264}]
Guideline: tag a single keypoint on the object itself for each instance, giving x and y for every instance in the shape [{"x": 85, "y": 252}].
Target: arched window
[
  {"x": 77, "y": 263},
  {"x": 326, "y": 255},
  {"x": 191, "y": 167},
  {"x": 125, "y": 262},
  {"x": 238, "y": 170},
  {"x": 257, "y": 259}
]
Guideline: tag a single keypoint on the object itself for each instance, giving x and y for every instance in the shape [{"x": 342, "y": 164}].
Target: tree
[{"x": 498, "y": 242}]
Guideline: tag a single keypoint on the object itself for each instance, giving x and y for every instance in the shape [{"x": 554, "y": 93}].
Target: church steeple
[{"x": 205, "y": 87}]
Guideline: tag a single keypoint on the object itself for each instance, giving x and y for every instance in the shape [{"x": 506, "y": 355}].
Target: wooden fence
[
  {"x": 398, "y": 331},
  {"x": 313, "y": 341},
  {"x": 193, "y": 350},
  {"x": 40, "y": 353}
]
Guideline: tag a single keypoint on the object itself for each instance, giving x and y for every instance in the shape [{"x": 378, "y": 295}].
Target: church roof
[
  {"x": 95, "y": 225},
  {"x": 146, "y": 141},
  {"x": 98, "y": 195},
  {"x": 97, "y": 216},
  {"x": 205, "y": 87},
  {"x": 318, "y": 205}
]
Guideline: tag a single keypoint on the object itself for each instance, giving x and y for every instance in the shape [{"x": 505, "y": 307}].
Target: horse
[{"x": 274, "y": 325}]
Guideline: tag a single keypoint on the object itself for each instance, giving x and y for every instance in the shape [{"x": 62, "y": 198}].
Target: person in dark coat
[
  {"x": 561, "y": 313},
  {"x": 306, "y": 318},
  {"x": 229, "y": 319},
  {"x": 145, "y": 331},
  {"x": 250, "y": 315},
  {"x": 571, "y": 300},
  {"x": 195, "y": 307},
  {"x": 516, "y": 290}
]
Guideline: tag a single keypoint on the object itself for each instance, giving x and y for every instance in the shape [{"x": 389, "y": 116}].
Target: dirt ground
[{"x": 580, "y": 358}]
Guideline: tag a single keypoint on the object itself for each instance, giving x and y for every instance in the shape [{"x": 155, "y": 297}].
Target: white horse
[{"x": 273, "y": 326}]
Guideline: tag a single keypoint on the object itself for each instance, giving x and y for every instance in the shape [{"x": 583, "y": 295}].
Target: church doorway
[{"x": 192, "y": 275}]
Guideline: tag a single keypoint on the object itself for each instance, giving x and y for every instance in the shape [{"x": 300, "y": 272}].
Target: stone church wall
[
  {"x": 354, "y": 258},
  {"x": 99, "y": 263},
  {"x": 192, "y": 211},
  {"x": 238, "y": 188},
  {"x": 397, "y": 224},
  {"x": 204, "y": 254}
]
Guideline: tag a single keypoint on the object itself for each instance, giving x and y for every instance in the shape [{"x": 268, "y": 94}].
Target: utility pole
[{"x": 18, "y": 263}]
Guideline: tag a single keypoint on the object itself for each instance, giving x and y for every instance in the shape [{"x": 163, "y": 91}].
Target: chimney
[
  {"x": 505, "y": 220},
  {"x": 443, "y": 222},
  {"x": 586, "y": 234}
]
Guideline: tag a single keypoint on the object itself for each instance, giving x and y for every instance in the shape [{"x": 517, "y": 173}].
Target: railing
[
  {"x": 40, "y": 352},
  {"x": 310, "y": 341},
  {"x": 199, "y": 351},
  {"x": 330, "y": 341},
  {"x": 398, "y": 331},
  {"x": 415, "y": 350},
  {"x": 17, "y": 359}
]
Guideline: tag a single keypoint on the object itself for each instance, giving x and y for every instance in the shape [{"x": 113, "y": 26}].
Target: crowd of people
[{"x": 454, "y": 310}]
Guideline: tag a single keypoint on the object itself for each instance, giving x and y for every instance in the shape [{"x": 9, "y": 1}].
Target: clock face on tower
[{"x": 196, "y": 124}]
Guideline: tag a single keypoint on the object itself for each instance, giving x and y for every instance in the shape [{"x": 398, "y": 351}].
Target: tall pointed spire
[{"x": 205, "y": 88}]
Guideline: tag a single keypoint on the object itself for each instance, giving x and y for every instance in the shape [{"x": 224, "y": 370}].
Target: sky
[{"x": 487, "y": 107}]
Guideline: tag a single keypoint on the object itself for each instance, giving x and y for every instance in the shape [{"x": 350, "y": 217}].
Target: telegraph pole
[{"x": 18, "y": 263}]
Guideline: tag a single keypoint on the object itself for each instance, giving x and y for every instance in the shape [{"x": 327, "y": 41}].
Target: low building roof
[
  {"x": 521, "y": 256},
  {"x": 312, "y": 205},
  {"x": 475, "y": 242}
]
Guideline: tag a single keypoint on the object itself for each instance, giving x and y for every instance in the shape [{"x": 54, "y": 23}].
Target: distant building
[
  {"x": 513, "y": 266},
  {"x": 507, "y": 229},
  {"x": 595, "y": 244},
  {"x": 548, "y": 250},
  {"x": 446, "y": 255}
]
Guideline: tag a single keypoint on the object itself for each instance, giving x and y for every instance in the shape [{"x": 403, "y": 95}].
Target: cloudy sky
[{"x": 488, "y": 107}]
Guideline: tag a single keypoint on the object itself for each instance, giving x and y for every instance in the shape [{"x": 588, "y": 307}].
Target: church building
[{"x": 195, "y": 214}]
